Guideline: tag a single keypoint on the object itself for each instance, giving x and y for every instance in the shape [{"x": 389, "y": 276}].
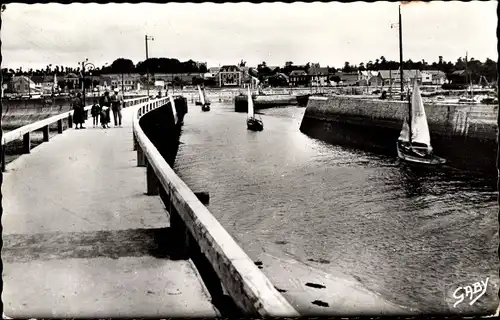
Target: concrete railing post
[
  {"x": 46, "y": 133},
  {"x": 179, "y": 230},
  {"x": 26, "y": 143},
  {"x": 151, "y": 181},
  {"x": 70, "y": 121},
  {"x": 141, "y": 158},
  {"x": 59, "y": 126},
  {"x": 135, "y": 142}
]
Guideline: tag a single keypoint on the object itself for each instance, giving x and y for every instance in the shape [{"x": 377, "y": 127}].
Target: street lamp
[
  {"x": 146, "y": 38},
  {"x": 91, "y": 66}
]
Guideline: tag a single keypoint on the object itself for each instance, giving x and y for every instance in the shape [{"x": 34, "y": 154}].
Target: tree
[
  {"x": 122, "y": 65},
  {"x": 347, "y": 67}
]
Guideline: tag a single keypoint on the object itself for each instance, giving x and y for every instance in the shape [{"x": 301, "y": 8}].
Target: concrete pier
[{"x": 82, "y": 239}]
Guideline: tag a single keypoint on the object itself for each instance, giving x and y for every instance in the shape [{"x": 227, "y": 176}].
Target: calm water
[{"x": 403, "y": 233}]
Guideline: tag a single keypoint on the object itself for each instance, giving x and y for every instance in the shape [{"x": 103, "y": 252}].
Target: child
[
  {"x": 95, "y": 111},
  {"x": 104, "y": 117}
]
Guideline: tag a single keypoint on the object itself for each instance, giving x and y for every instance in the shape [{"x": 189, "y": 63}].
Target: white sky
[{"x": 34, "y": 36}]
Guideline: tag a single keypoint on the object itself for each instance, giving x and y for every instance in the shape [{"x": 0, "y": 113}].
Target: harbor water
[{"x": 406, "y": 234}]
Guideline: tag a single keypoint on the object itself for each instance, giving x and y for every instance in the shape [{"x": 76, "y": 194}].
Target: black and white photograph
[{"x": 232, "y": 159}]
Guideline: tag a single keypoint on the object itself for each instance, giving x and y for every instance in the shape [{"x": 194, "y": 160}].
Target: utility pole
[
  {"x": 146, "y": 38},
  {"x": 401, "y": 52}
]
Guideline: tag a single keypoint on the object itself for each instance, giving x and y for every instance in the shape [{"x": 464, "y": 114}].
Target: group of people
[{"x": 100, "y": 109}]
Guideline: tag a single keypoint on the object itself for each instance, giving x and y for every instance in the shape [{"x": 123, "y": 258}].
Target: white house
[{"x": 426, "y": 77}]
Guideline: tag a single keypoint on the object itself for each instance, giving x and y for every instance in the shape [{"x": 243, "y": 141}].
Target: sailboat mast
[
  {"x": 466, "y": 72},
  {"x": 401, "y": 52},
  {"x": 409, "y": 116}
]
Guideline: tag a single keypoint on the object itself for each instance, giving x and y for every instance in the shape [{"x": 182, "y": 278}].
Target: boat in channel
[
  {"x": 205, "y": 105},
  {"x": 253, "y": 123},
  {"x": 414, "y": 143}
]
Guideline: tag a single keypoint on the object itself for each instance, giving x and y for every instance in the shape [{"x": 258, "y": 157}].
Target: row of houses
[
  {"x": 321, "y": 76},
  {"x": 229, "y": 76}
]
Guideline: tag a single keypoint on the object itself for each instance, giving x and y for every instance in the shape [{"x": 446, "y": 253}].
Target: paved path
[{"x": 81, "y": 239}]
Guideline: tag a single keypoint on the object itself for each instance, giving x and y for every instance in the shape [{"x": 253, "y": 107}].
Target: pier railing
[
  {"x": 24, "y": 132},
  {"x": 197, "y": 229}
]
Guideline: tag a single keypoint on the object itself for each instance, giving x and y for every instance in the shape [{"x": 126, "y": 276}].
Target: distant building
[
  {"x": 179, "y": 78},
  {"x": 114, "y": 80},
  {"x": 298, "y": 77},
  {"x": 438, "y": 77},
  {"x": 367, "y": 74},
  {"x": 23, "y": 85},
  {"x": 71, "y": 81},
  {"x": 318, "y": 76},
  {"x": 214, "y": 71},
  {"x": 230, "y": 76},
  {"x": 426, "y": 77},
  {"x": 349, "y": 78},
  {"x": 389, "y": 77},
  {"x": 458, "y": 76}
]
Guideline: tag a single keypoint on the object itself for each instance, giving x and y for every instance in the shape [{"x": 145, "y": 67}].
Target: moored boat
[
  {"x": 205, "y": 105},
  {"x": 414, "y": 142},
  {"x": 253, "y": 123}
]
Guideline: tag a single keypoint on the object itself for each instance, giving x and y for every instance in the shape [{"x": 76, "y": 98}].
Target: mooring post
[
  {"x": 140, "y": 157},
  {"x": 151, "y": 180},
  {"x": 46, "y": 133},
  {"x": 70, "y": 121},
  {"x": 26, "y": 143},
  {"x": 59, "y": 126}
]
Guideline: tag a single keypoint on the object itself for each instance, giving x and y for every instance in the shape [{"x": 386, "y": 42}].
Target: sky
[{"x": 34, "y": 36}]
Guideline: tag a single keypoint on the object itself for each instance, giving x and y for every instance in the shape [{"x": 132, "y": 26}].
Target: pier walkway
[{"x": 82, "y": 239}]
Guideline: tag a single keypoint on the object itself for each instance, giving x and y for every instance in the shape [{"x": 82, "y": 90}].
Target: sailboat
[
  {"x": 414, "y": 142},
  {"x": 205, "y": 106},
  {"x": 253, "y": 123}
]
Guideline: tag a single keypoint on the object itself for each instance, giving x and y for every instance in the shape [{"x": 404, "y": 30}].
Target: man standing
[
  {"x": 117, "y": 102},
  {"x": 78, "y": 111}
]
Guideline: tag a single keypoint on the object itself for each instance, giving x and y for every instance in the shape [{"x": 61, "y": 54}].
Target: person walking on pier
[
  {"x": 116, "y": 105},
  {"x": 95, "y": 111},
  {"x": 105, "y": 104},
  {"x": 78, "y": 111}
]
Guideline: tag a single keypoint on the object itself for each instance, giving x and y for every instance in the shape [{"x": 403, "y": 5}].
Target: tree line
[
  {"x": 476, "y": 68},
  {"x": 120, "y": 65}
]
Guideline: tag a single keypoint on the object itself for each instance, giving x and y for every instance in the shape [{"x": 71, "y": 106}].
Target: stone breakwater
[
  {"x": 464, "y": 134},
  {"x": 264, "y": 101}
]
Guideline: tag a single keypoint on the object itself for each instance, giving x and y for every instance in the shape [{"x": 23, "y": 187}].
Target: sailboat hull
[
  {"x": 255, "y": 125},
  {"x": 408, "y": 154}
]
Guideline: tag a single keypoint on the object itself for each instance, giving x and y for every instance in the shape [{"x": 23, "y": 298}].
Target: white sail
[
  {"x": 251, "y": 112},
  {"x": 419, "y": 127},
  {"x": 202, "y": 97},
  {"x": 172, "y": 104},
  {"x": 404, "y": 136}
]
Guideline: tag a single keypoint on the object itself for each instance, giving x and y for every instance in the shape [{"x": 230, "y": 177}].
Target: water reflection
[{"x": 403, "y": 231}]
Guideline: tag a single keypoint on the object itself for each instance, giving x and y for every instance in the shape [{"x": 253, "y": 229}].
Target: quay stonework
[{"x": 465, "y": 134}]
